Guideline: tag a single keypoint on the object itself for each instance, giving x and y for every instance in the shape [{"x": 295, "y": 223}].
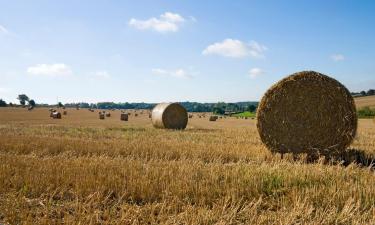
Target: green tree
[
  {"x": 32, "y": 103},
  {"x": 23, "y": 99},
  {"x": 251, "y": 108},
  {"x": 60, "y": 105},
  {"x": 2, "y": 103}
]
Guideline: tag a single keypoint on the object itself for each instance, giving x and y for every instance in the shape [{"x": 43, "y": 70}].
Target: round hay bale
[
  {"x": 124, "y": 117},
  {"x": 108, "y": 114},
  {"x": 101, "y": 116},
  {"x": 56, "y": 115},
  {"x": 213, "y": 118},
  {"x": 307, "y": 112},
  {"x": 169, "y": 116},
  {"x": 65, "y": 113}
]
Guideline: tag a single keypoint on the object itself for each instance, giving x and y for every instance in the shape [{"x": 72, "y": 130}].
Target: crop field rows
[{"x": 82, "y": 170}]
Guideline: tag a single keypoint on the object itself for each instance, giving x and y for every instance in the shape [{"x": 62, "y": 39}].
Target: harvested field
[
  {"x": 84, "y": 170},
  {"x": 367, "y": 101}
]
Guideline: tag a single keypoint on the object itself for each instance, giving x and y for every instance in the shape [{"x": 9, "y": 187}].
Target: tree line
[
  {"x": 363, "y": 93},
  {"x": 218, "y": 108}
]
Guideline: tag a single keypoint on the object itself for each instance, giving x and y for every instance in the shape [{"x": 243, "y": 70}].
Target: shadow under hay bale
[
  {"x": 344, "y": 158},
  {"x": 169, "y": 116},
  {"x": 307, "y": 112}
]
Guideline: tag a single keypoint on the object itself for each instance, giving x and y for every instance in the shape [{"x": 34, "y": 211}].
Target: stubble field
[{"x": 82, "y": 170}]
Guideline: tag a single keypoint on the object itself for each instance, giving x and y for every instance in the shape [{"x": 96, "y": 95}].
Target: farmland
[
  {"x": 84, "y": 170},
  {"x": 367, "y": 101}
]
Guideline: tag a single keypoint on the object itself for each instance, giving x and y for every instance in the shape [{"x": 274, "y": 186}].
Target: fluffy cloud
[
  {"x": 255, "y": 72},
  {"x": 51, "y": 70},
  {"x": 236, "y": 49},
  {"x": 337, "y": 57},
  {"x": 167, "y": 22},
  {"x": 3, "y": 30},
  {"x": 178, "y": 73}
]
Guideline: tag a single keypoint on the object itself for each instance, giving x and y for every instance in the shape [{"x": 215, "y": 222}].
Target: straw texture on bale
[
  {"x": 124, "y": 117},
  {"x": 169, "y": 116},
  {"x": 307, "y": 112}
]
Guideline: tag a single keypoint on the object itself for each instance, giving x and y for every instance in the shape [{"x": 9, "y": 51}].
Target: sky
[{"x": 183, "y": 50}]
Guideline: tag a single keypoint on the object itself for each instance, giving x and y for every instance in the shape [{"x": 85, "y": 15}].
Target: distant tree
[
  {"x": 60, "y": 105},
  {"x": 371, "y": 92},
  {"x": 23, "y": 99},
  {"x": 218, "y": 110},
  {"x": 10, "y": 104},
  {"x": 251, "y": 108},
  {"x": 363, "y": 93},
  {"x": 32, "y": 103},
  {"x": 2, "y": 103}
]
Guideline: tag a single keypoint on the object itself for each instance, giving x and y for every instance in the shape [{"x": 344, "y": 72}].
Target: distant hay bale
[
  {"x": 101, "y": 116},
  {"x": 124, "y": 117},
  {"x": 213, "y": 118},
  {"x": 190, "y": 116},
  {"x": 30, "y": 108},
  {"x": 108, "y": 114},
  {"x": 65, "y": 113},
  {"x": 307, "y": 112},
  {"x": 169, "y": 116},
  {"x": 56, "y": 115}
]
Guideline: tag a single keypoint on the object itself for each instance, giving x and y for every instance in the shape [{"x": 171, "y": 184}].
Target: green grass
[
  {"x": 244, "y": 114},
  {"x": 366, "y": 112}
]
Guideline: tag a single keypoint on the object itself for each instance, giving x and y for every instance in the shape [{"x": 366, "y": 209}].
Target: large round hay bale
[
  {"x": 169, "y": 116},
  {"x": 307, "y": 112}
]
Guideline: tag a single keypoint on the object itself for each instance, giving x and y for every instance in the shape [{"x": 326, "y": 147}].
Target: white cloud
[
  {"x": 337, "y": 57},
  {"x": 235, "y": 49},
  {"x": 178, "y": 73},
  {"x": 3, "y": 30},
  {"x": 167, "y": 22},
  {"x": 50, "y": 70},
  {"x": 255, "y": 72}
]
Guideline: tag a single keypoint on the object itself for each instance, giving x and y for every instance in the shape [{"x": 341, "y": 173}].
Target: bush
[{"x": 366, "y": 112}]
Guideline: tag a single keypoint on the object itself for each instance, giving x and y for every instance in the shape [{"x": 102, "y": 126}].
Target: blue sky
[{"x": 183, "y": 50}]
